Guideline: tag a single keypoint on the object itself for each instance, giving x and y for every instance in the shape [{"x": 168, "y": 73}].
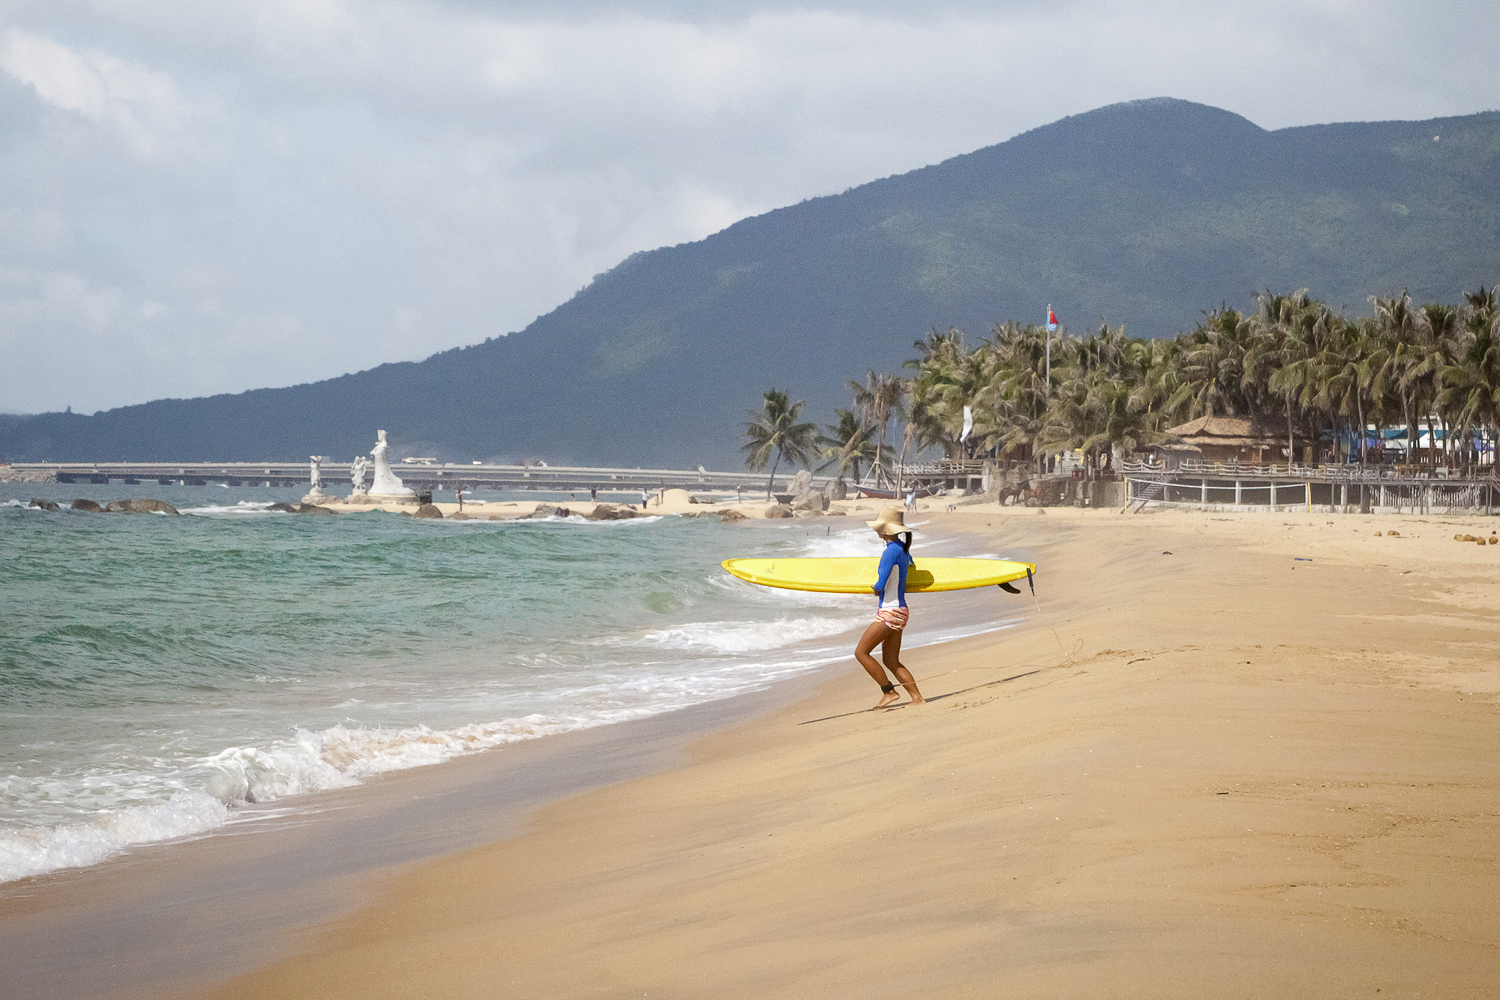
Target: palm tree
[
  {"x": 1440, "y": 329},
  {"x": 875, "y": 400},
  {"x": 849, "y": 443},
  {"x": 1015, "y": 401},
  {"x": 1471, "y": 384},
  {"x": 947, "y": 378},
  {"x": 775, "y": 428}
]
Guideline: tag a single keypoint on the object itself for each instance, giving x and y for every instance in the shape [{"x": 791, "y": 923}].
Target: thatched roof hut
[{"x": 1229, "y": 439}]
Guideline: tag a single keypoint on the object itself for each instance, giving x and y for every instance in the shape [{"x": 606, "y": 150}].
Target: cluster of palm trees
[{"x": 1294, "y": 363}]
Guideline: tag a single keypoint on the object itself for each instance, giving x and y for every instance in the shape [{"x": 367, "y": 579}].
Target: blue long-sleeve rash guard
[{"x": 897, "y": 558}]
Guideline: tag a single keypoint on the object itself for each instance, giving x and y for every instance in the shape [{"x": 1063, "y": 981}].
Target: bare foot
[
  {"x": 886, "y": 699},
  {"x": 919, "y": 700}
]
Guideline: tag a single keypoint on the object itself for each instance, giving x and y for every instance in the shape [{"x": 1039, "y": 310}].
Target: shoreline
[
  {"x": 278, "y": 862},
  {"x": 290, "y": 865},
  {"x": 1285, "y": 786}
]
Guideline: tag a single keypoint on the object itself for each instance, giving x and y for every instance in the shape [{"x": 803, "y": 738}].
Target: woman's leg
[
  {"x": 875, "y": 634},
  {"x": 890, "y": 651}
]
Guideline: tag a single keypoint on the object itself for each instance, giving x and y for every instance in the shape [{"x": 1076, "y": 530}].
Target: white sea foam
[
  {"x": 201, "y": 796},
  {"x": 243, "y": 507},
  {"x": 31, "y": 851},
  {"x": 743, "y": 636}
]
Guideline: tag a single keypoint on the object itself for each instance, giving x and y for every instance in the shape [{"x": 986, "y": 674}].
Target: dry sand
[{"x": 1201, "y": 769}]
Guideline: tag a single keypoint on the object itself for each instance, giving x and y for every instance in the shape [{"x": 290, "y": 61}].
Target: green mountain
[{"x": 1145, "y": 213}]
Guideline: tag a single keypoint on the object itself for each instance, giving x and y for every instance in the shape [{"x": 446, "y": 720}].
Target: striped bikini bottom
[{"x": 893, "y": 618}]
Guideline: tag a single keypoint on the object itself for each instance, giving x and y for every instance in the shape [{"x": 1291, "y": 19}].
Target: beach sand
[{"x": 1226, "y": 755}]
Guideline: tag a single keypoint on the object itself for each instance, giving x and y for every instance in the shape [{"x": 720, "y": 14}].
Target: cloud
[{"x": 272, "y": 191}]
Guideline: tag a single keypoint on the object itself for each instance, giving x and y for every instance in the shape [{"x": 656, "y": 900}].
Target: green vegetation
[
  {"x": 776, "y": 429},
  {"x": 1137, "y": 214},
  {"x": 850, "y": 445},
  {"x": 1295, "y": 363}
]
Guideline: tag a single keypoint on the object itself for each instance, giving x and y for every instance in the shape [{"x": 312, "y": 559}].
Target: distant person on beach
[
  {"x": 891, "y": 618},
  {"x": 594, "y": 494},
  {"x": 644, "y": 497}
]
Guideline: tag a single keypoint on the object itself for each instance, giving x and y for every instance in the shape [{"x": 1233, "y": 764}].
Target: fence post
[
  {"x": 1238, "y": 491},
  {"x": 1203, "y": 495},
  {"x": 1126, "y": 506},
  {"x": 1308, "y": 484},
  {"x": 1273, "y": 495}
]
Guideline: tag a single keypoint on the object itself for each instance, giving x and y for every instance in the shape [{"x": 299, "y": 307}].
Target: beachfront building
[{"x": 1230, "y": 439}]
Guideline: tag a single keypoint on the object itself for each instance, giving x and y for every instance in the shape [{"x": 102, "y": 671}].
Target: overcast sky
[{"x": 212, "y": 196}]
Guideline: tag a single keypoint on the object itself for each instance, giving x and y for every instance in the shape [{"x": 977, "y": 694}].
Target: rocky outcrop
[
  {"x": 312, "y": 508},
  {"x": 548, "y": 510},
  {"x": 140, "y": 507},
  {"x": 461, "y": 516},
  {"x": 612, "y": 512},
  {"x": 836, "y": 489},
  {"x": 814, "y": 502},
  {"x": 88, "y": 505},
  {"x": 44, "y": 504},
  {"x": 801, "y": 485},
  {"x": 730, "y": 516},
  {"x": 285, "y": 508},
  {"x": 780, "y": 510},
  {"x": 428, "y": 510}
]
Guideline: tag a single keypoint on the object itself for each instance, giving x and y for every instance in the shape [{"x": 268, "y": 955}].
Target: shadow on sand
[{"x": 936, "y": 697}]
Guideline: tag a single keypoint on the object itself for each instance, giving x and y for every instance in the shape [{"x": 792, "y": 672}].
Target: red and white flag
[{"x": 1051, "y": 320}]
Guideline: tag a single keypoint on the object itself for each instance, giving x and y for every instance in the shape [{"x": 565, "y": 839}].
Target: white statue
[
  {"x": 357, "y": 472},
  {"x": 386, "y": 484},
  {"x": 315, "y": 474}
]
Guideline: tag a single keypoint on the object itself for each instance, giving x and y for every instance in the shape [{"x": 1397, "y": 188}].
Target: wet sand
[
  {"x": 1229, "y": 755},
  {"x": 168, "y": 915}
]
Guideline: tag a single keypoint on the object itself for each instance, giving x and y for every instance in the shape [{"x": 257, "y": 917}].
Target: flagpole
[{"x": 1048, "y": 325}]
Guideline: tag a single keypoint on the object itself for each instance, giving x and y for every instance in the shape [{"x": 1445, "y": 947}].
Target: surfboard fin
[
  {"x": 1030, "y": 582},
  {"x": 1007, "y": 588}
]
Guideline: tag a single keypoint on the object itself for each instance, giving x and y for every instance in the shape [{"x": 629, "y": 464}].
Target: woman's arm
[{"x": 887, "y": 562}]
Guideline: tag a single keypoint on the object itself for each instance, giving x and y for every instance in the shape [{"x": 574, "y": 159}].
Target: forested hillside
[{"x": 1144, "y": 214}]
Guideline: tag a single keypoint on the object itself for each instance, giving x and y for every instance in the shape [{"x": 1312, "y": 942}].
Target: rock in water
[
  {"x": 88, "y": 505},
  {"x": 780, "y": 510},
  {"x": 429, "y": 510},
  {"x": 730, "y": 516},
  {"x": 312, "y": 508},
  {"x": 44, "y": 504},
  {"x": 285, "y": 508},
  {"x": 140, "y": 507},
  {"x": 548, "y": 510},
  {"x": 460, "y": 516},
  {"x": 612, "y": 512}
]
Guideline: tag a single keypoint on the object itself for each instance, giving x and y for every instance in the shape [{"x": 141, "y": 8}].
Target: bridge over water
[
  {"x": 418, "y": 476},
  {"x": 423, "y": 476}
]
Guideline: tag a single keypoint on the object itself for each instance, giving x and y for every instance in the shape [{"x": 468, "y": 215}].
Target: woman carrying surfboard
[{"x": 893, "y": 614}]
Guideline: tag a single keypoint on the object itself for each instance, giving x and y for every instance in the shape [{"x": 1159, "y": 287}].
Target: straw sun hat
[{"x": 889, "y": 522}]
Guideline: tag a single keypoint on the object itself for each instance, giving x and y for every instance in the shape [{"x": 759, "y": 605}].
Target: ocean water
[{"x": 159, "y": 673}]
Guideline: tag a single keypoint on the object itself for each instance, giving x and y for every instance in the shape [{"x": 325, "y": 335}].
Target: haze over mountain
[{"x": 1145, "y": 213}]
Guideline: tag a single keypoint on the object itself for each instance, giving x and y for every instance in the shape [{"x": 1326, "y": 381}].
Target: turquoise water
[{"x": 157, "y": 672}]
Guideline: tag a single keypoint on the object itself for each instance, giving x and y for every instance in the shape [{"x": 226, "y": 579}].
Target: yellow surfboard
[{"x": 857, "y": 576}]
